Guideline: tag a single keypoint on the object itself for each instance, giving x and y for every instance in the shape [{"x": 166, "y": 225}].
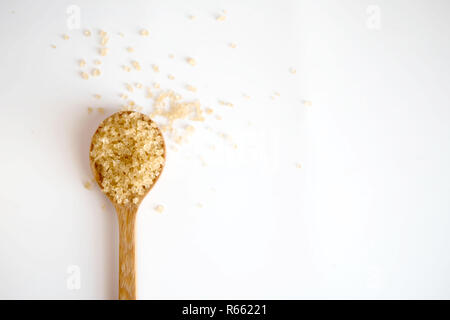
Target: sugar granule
[
  {"x": 95, "y": 72},
  {"x": 129, "y": 87},
  {"x": 191, "y": 88},
  {"x": 103, "y": 51},
  {"x": 136, "y": 65},
  {"x": 104, "y": 40},
  {"x": 191, "y": 61},
  {"x": 87, "y": 185},
  {"x": 307, "y": 103},
  {"x": 144, "y": 32}
]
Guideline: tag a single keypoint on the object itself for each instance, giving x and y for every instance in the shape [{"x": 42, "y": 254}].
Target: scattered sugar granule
[
  {"x": 126, "y": 68},
  {"x": 156, "y": 85},
  {"x": 129, "y": 87},
  {"x": 155, "y": 68},
  {"x": 221, "y": 18},
  {"x": 124, "y": 96},
  {"x": 235, "y": 146},
  {"x": 233, "y": 45},
  {"x": 53, "y": 46},
  {"x": 65, "y": 37},
  {"x": 277, "y": 93},
  {"x": 298, "y": 165},
  {"x": 95, "y": 72},
  {"x": 101, "y": 110},
  {"x": 209, "y": 111},
  {"x": 84, "y": 75},
  {"x": 199, "y": 205},
  {"x": 246, "y": 96},
  {"x": 171, "y": 77},
  {"x": 121, "y": 34},
  {"x": 87, "y": 185},
  {"x": 292, "y": 70},
  {"x": 225, "y": 136},
  {"x": 191, "y": 88},
  {"x": 82, "y": 63},
  {"x": 97, "y": 96},
  {"x": 144, "y": 32},
  {"x": 218, "y": 117},
  {"x": 103, "y": 206},
  {"x": 131, "y": 103},
  {"x": 192, "y": 17},
  {"x": 307, "y": 103},
  {"x": 191, "y": 61},
  {"x": 228, "y": 104},
  {"x": 90, "y": 109},
  {"x": 102, "y": 33},
  {"x": 97, "y": 62},
  {"x": 103, "y": 51},
  {"x": 159, "y": 208},
  {"x": 138, "y": 85},
  {"x": 104, "y": 40},
  {"x": 136, "y": 65},
  {"x": 171, "y": 56},
  {"x": 87, "y": 33},
  {"x": 130, "y": 49}
]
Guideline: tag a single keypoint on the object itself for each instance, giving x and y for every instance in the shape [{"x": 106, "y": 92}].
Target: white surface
[{"x": 367, "y": 216}]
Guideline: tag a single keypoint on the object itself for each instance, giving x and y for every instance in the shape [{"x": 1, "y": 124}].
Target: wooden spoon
[{"x": 126, "y": 214}]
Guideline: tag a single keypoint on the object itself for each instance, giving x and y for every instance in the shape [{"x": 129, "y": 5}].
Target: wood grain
[{"x": 127, "y": 251}]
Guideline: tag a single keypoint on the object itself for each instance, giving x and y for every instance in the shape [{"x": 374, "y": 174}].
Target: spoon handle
[{"x": 127, "y": 262}]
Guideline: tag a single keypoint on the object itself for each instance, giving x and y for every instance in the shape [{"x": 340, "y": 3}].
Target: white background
[{"x": 367, "y": 215}]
